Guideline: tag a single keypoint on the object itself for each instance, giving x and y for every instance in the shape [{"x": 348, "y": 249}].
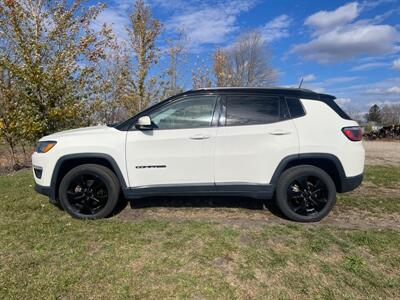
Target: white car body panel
[
  {"x": 98, "y": 139},
  {"x": 250, "y": 154},
  {"x": 165, "y": 157},
  {"x": 320, "y": 132}
]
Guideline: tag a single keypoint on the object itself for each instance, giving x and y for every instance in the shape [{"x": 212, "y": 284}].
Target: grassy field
[{"x": 46, "y": 254}]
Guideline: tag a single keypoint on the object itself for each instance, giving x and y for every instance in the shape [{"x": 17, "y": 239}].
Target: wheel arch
[
  {"x": 325, "y": 161},
  {"x": 70, "y": 161}
]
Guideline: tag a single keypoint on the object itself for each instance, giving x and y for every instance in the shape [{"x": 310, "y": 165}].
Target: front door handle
[
  {"x": 280, "y": 132},
  {"x": 199, "y": 137}
]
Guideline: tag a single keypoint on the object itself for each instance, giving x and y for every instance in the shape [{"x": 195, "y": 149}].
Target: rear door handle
[
  {"x": 199, "y": 137},
  {"x": 279, "y": 132}
]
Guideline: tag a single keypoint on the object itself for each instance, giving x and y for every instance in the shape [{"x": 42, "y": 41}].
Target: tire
[
  {"x": 89, "y": 192},
  {"x": 305, "y": 193}
]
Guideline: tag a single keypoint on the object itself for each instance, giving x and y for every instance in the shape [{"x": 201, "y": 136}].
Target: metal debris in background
[{"x": 386, "y": 132}]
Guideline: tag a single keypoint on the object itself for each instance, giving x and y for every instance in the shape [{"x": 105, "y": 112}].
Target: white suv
[{"x": 291, "y": 145}]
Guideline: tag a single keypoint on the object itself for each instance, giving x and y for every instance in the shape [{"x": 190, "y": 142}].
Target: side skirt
[{"x": 257, "y": 191}]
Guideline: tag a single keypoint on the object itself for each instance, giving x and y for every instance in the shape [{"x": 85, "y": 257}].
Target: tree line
[
  {"x": 388, "y": 115},
  {"x": 60, "y": 69}
]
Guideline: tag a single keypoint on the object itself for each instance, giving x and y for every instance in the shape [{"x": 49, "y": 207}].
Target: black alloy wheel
[
  {"x": 89, "y": 192},
  {"x": 305, "y": 193}
]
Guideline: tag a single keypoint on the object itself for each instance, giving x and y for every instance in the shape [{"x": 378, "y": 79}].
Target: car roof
[{"x": 284, "y": 91}]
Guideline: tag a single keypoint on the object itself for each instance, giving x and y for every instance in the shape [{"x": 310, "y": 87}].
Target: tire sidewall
[
  {"x": 104, "y": 174},
  {"x": 288, "y": 177}
]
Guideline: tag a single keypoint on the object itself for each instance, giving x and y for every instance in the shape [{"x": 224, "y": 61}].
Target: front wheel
[
  {"x": 305, "y": 193},
  {"x": 89, "y": 192}
]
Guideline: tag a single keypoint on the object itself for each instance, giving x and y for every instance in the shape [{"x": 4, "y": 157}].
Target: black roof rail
[{"x": 287, "y": 91}]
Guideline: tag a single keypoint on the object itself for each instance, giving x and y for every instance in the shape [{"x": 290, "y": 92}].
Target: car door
[
  {"x": 179, "y": 150},
  {"x": 255, "y": 134}
]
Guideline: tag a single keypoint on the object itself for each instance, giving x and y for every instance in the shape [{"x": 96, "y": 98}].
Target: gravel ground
[{"x": 382, "y": 152}]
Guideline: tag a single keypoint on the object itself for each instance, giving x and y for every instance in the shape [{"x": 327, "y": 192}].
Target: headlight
[{"x": 43, "y": 147}]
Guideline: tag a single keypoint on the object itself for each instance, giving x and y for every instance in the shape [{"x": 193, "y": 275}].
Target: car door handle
[
  {"x": 199, "y": 137},
  {"x": 279, "y": 132}
]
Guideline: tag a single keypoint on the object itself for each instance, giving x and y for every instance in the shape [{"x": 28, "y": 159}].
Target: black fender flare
[
  {"x": 65, "y": 158},
  {"x": 286, "y": 161}
]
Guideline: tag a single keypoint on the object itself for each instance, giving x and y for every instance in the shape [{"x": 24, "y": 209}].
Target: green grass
[
  {"x": 380, "y": 191},
  {"x": 374, "y": 204},
  {"x": 46, "y": 254},
  {"x": 384, "y": 176}
]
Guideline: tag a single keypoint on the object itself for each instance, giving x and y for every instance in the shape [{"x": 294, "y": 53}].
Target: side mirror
[{"x": 144, "y": 123}]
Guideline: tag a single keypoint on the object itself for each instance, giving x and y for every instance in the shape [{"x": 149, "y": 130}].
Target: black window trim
[{"x": 336, "y": 108}]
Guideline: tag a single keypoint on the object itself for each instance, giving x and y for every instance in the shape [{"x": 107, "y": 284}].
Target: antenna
[{"x": 301, "y": 82}]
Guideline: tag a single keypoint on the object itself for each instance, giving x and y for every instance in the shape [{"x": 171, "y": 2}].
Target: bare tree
[
  {"x": 245, "y": 63},
  {"x": 114, "y": 85},
  {"x": 9, "y": 130},
  {"x": 201, "y": 75},
  {"x": 175, "y": 52},
  {"x": 144, "y": 32},
  {"x": 356, "y": 115},
  {"x": 390, "y": 114}
]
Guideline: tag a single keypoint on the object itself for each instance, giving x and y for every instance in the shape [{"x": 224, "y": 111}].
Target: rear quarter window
[{"x": 295, "y": 107}]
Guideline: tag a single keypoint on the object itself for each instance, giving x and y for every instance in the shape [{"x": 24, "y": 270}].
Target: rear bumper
[{"x": 351, "y": 183}]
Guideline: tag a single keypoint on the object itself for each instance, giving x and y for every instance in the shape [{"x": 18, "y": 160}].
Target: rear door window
[{"x": 252, "y": 110}]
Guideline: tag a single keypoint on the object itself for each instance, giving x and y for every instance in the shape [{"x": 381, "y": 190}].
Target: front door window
[{"x": 192, "y": 112}]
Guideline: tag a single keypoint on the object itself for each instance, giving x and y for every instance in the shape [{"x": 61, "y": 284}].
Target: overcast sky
[{"x": 348, "y": 49}]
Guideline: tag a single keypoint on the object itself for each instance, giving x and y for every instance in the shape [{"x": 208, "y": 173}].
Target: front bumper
[
  {"x": 351, "y": 183},
  {"x": 44, "y": 163},
  {"x": 46, "y": 191}
]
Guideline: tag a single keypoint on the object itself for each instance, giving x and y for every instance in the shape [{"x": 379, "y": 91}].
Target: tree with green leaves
[
  {"x": 374, "y": 114},
  {"x": 143, "y": 31},
  {"x": 49, "y": 48}
]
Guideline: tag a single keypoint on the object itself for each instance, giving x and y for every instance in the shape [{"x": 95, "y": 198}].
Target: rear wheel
[
  {"x": 305, "y": 193},
  {"x": 89, "y": 192}
]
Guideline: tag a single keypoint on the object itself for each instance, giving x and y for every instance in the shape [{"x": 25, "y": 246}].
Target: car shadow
[{"x": 207, "y": 202}]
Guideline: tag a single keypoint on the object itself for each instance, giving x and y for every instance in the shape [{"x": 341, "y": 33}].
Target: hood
[{"x": 79, "y": 131}]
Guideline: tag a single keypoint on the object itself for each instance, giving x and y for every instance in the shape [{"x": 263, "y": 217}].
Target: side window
[
  {"x": 295, "y": 108},
  {"x": 251, "y": 110},
  {"x": 191, "y": 112},
  {"x": 284, "y": 111}
]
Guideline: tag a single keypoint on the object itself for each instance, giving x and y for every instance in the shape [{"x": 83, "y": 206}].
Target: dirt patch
[
  {"x": 368, "y": 189},
  {"x": 382, "y": 152},
  {"x": 240, "y": 217},
  {"x": 22, "y": 159}
]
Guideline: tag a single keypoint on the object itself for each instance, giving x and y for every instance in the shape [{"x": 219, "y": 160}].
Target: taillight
[{"x": 353, "y": 133}]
